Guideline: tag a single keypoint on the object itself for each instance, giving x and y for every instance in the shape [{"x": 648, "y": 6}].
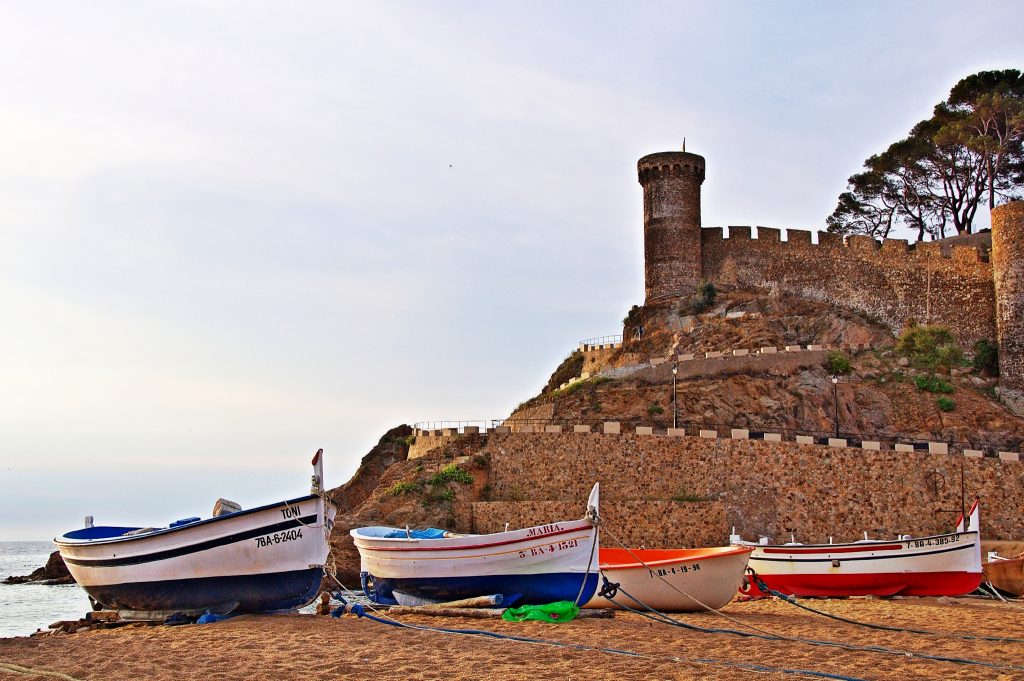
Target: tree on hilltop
[{"x": 972, "y": 148}]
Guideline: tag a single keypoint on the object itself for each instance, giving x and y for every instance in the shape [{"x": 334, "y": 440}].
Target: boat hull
[
  {"x": 1006, "y": 575},
  {"x": 673, "y": 580},
  {"x": 942, "y": 565},
  {"x": 534, "y": 589},
  {"x": 535, "y": 565},
  {"x": 268, "y": 558}
]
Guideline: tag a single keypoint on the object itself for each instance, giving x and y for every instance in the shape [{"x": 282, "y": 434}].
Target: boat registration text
[
  {"x": 279, "y": 538},
  {"x": 675, "y": 570},
  {"x": 934, "y": 541},
  {"x": 550, "y": 548}
]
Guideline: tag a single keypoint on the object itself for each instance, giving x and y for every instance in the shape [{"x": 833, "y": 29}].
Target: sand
[{"x": 278, "y": 647}]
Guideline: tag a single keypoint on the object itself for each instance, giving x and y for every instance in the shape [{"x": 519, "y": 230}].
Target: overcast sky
[{"x": 232, "y": 233}]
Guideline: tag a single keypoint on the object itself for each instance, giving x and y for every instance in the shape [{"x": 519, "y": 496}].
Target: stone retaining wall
[
  {"x": 635, "y": 523},
  {"x": 766, "y": 488}
]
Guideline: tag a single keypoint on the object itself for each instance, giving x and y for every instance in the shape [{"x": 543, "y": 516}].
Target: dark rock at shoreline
[{"x": 54, "y": 572}]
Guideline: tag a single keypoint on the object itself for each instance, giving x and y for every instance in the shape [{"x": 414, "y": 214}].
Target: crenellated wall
[
  {"x": 892, "y": 281},
  {"x": 929, "y": 282}
]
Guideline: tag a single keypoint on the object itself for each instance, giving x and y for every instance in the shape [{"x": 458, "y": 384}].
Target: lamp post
[
  {"x": 675, "y": 411},
  {"x": 835, "y": 402}
]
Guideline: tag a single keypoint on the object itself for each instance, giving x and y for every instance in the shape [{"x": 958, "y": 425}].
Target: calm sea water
[{"x": 27, "y": 607}]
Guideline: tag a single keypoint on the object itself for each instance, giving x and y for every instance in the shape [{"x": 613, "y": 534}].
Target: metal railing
[
  {"x": 482, "y": 424},
  {"x": 602, "y": 340}
]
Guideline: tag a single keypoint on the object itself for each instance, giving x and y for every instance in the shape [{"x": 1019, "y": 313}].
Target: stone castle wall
[
  {"x": 892, "y": 281},
  {"x": 634, "y": 522},
  {"x": 929, "y": 282},
  {"x": 765, "y": 488},
  {"x": 1008, "y": 261}
]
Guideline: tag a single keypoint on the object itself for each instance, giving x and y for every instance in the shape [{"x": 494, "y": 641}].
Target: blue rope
[
  {"x": 662, "y": 617},
  {"x": 789, "y": 599},
  {"x": 359, "y": 611}
]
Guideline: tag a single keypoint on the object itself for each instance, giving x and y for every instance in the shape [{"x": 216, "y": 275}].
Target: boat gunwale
[
  {"x": 863, "y": 546},
  {"x": 164, "y": 531},
  {"x": 736, "y": 550},
  {"x": 414, "y": 544}
]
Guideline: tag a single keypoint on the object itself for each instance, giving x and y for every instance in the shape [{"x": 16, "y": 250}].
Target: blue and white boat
[
  {"x": 533, "y": 566},
  {"x": 257, "y": 560}
]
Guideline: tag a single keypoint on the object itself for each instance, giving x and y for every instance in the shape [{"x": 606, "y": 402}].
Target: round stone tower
[
  {"x": 672, "y": 245},
  {"x": 1008, "y": 271}
]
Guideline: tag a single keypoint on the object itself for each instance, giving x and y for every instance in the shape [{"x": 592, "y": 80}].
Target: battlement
[
  {"x": 670, "y": 164},
  {"x": 892, "y": 280},
  {"x": 858, "y": 243}
]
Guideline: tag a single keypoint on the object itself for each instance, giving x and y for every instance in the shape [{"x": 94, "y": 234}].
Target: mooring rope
[
  {"x": 383, "y": 618},
  {"x": 854, "y": 647},
  {"x": 29, "y": 671},
  {"x": 926, "y": 632},
  {"x": 769, "y": 635},
  {"x": 680, "y": 590},
  {"x": 789, "y": 599},
  {"x": 595, "y": 520}
]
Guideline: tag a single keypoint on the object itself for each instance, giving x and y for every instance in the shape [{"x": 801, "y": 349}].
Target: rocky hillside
[
  {"x": 792, "y": 392},
  {"x": 389, "y": 490}
]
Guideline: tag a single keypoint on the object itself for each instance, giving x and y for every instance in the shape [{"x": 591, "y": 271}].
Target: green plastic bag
[{"x": 560, "y": 611}]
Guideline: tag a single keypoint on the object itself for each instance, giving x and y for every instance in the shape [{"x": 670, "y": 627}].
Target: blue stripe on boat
[
  {"x": 516, "y": 589},
  {"x": 252, "y": 593}
]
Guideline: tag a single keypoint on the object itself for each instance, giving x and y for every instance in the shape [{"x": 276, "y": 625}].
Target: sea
[{"x": 25, "y": 608}]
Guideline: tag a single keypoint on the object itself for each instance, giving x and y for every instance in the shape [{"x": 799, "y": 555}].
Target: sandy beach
[{"x": 274, "y": 647}]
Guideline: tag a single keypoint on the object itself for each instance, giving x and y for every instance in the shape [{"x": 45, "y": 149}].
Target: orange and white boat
[{"x": 672, "y": 580}]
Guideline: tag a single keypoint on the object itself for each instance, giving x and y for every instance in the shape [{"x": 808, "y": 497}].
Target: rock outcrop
[{"x": 54, "y": 572}]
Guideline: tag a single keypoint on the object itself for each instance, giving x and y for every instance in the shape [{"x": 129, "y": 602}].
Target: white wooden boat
[
  {"x": 535, "y": 565},
  {"x": 261, "y": 559},
  {"x": 938, "y": 565},
  {"x": 673, "y": 580}
]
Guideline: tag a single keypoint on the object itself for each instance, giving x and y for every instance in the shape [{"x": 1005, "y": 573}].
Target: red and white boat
[
  {"x": 939, "y": 565},
  {"x": 672, "y": 580}
]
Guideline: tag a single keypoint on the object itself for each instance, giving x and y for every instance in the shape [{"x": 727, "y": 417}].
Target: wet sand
[{"x": 278, "y": 647}]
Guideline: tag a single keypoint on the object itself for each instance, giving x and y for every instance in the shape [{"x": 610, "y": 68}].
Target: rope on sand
[
  {"x": 792, "y": 601},
  {"x": 383, "y": 618},
  {"x": 28, "y": 671},
  {"x": 764, "y": 587},
  {"x": 662, "y": 617}
]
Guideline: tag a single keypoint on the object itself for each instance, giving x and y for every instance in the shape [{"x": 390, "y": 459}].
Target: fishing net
[{"x": 560, "y": 611}]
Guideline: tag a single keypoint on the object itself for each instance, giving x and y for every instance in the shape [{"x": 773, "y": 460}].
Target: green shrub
[
  {"x": 404, "y": 487},
  {"x": 933, "y": 384},
  {"x": 837, "y": 363},
  {"x": 687, "y": 496},
  {"x": 632, "y": 318},
  {"x": 946, "y": 404},
  {"x": 703, "y": 297},
  {"x": 929, "y": 347},
  {"x": 451, "y": 473},
  {"x": 655, "y": 409},
  {"x": 570, "y": 368},
  {"x": 986, "y": 357}
]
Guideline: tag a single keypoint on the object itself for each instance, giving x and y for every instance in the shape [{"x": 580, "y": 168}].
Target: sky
[{"x": 232, "y": 233}]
